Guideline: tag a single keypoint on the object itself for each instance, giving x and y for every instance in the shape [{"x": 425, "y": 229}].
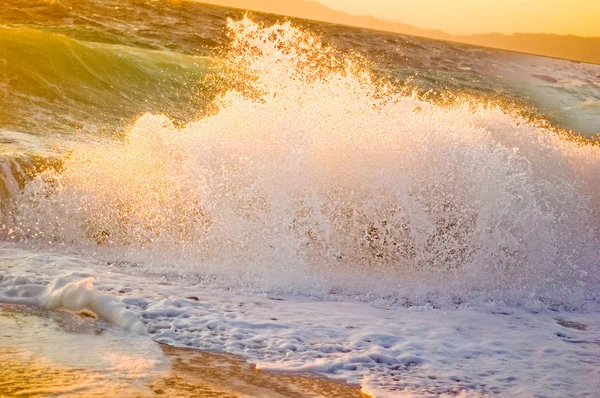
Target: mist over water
[{"x": 310, "y": 175}]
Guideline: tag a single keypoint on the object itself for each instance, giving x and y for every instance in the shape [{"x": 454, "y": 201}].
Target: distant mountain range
[{"x": 576, "y": 48}]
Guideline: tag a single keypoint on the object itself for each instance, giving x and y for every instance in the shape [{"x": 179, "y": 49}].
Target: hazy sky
[{"x": 579, "y": 17}]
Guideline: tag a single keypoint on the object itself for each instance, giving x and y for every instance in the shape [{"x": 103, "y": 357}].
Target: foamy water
[
  {"x": 317, "y": 218},
  {"x": 313, "y": 173},
  {"x": 483, "y": 349}
]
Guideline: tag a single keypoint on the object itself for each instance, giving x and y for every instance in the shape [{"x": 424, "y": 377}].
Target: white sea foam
[
  {"x": 74, "y": 295},
  {"x": 309, "y": 175},
  {"x": 390, "y": 350}
]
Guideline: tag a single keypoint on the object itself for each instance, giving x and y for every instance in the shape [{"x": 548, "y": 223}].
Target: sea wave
[
  {"x": 51, "y": 81},
  {"x": 309, "y": 175}
]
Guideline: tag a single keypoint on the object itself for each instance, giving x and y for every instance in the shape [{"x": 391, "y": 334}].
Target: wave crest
[{"x": 308, "y": 173}]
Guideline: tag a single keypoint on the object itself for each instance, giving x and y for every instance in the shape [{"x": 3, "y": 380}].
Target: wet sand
[{"x": 59, "y": 353}]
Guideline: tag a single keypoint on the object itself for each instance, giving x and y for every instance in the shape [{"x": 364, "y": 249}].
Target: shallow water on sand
[{"x": 60, "y": 353}]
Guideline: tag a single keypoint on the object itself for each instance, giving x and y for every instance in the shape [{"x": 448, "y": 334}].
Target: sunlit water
[
  {"x": 63, "y": 354},
  {"x": 298, "y": 160}
]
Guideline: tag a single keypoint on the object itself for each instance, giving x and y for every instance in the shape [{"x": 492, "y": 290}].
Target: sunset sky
[{"x": 578, "y": 17}]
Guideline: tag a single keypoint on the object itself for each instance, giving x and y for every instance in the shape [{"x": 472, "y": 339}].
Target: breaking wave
[{"x": 309, "y": 174}]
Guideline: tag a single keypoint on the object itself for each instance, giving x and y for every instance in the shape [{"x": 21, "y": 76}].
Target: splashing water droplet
[{"x": 310, "y": 174}]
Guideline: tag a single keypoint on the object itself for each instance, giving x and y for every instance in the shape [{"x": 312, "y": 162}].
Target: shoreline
[{"x": 30, "y": 364}]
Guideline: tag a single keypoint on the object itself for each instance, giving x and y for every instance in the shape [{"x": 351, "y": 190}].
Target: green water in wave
[{"x": 52, "y": 83}]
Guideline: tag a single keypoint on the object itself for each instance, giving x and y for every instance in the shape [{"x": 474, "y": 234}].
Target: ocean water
[{"x": 414, "y": 216}]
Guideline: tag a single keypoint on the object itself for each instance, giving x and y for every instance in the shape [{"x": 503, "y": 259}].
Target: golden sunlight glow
[
  {"x": 477, "y": 22},
  {"x": 577, "y": 17}
]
